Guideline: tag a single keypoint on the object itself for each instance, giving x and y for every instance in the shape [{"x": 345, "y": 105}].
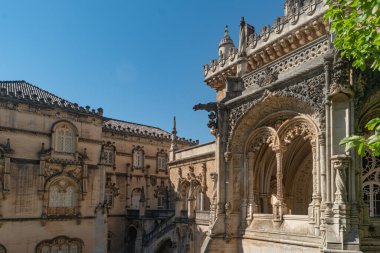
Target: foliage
[
  {"x": 356, "y": 27},
  {"x": 372, "y": 143}
]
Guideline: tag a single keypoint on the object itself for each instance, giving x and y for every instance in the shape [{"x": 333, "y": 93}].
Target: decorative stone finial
[
  {"x": 225, "y": 44},
  {"x": 242, "y": 37}
]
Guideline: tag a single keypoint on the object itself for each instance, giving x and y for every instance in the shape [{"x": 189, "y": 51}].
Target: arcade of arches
[{"x": 280, "y": 167}]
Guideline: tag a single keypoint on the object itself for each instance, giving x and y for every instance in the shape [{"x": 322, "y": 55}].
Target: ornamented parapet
[{"x": 273, "y": 42}]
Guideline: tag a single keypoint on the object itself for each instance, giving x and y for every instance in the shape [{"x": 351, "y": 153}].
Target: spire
[
  {"x": 174, "y": 131},
  {"x": 226, "y": 31},
  {"x": 173, "y": 145}
]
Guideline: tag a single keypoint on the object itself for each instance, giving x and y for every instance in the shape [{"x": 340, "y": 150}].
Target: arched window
[
  {"x": 63, "y": 198},
  {"x": 371, "y": 184},
  {"x": 135, "y": 198},
  {"x": 61, "y": 244},
  {"x": 64, "y": 135},
  {"x": 138, "y": 157}
]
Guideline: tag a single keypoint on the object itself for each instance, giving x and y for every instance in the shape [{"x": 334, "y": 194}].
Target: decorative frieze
[{"x": 270, "y": 74}]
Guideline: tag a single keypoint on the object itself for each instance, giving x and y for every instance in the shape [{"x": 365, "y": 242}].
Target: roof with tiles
[
  {"x": 134, "y": 129},
  {"x": 28, "y": 93}
]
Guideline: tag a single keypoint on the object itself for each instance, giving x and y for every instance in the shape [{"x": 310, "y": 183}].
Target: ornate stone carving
[
  {"x": 252, "y": 40},
  {"x": 212, "y": 108},
  {"x": 340, "y": 79},
  {"x": 311, "y": 52},
  {"x": 111, "y": 186},
  {"x": 341, "y": 164},
  {"x": 265, "y": 32},
  {"x": 311, "y": 91},
  {"x": 269, "y": 76},
  {"x": 301, "y": 129},
  {"x": 259, "y": 140},
  {"x": 278, "y": 24}
]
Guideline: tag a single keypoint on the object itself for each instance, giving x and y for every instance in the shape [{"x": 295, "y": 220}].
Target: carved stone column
[
  {"x": 314, "y": 207},
  {"x": 341, "y": 164},
  {"x": 251, "y": 186},
  {"x": 322, "y": 163},
  {"x": 213, "y": 205},
  {"x": 85, "y": 178},
  {"x": 279, "y": 207}
]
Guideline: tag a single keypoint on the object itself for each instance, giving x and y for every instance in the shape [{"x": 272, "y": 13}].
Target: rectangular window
[
  {"x": 65, "y": 141},
  {"x": 108, "y": 157},
  {"x": 138, "y": 159},
  {"x": 161, "y": 162}
]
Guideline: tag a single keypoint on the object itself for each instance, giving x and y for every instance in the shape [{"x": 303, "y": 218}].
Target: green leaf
[
  {"x": 352, "y": 138},
  {"x": 361, "y": 150},
  {"x": 373, "y": 139},
  {"x": 372, "y": 123}
]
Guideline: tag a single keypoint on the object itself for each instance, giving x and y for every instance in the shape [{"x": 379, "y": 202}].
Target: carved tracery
[{"x": 60, "y": 244}]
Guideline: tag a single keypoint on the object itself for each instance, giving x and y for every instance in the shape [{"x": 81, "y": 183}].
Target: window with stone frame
[
  {"x": 61, "y": 244},
  {"x": 371, "y": 184},
  {"x": 65, "y": 138},
  {"x": 162, "y": 161},
  {"x": 108, "y": 156},
  {"x": 62, "y": 198},
  {"x": 161, "y": 200},
  {"x": 138, "y": 157},
  {"x": 161, "y": 193}
]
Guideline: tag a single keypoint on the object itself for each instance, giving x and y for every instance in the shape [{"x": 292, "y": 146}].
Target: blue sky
[{"x": 142, "y": 61}]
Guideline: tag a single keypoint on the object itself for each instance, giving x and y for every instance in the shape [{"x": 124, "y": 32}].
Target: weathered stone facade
[
  {"x": 75, "y": 181},
  {"x": 284, "y": 100},
  {"x": 274, "y": 180}
]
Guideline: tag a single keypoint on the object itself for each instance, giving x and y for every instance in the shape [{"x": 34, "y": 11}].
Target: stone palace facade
[
  {"x": 74, "y": 181},
  {"x": 274, "y": 180}
]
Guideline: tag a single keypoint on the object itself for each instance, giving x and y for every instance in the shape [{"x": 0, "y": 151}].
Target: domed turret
[{"x": 225, "y": 44}]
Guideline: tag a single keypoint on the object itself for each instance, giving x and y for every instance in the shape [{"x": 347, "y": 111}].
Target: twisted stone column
[{"x": 340, "y": 163}]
